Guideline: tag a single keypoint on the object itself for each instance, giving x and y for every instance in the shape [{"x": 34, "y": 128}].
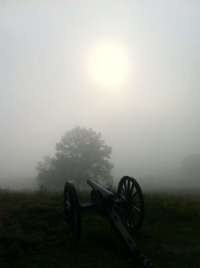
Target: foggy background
[{"x": 152, "y": 122}]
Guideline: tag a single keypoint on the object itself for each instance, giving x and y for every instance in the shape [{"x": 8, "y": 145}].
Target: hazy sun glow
[{"x": 109, "y": 65}]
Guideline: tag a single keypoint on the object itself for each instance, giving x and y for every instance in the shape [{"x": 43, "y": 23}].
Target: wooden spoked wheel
[
  {"x": 72, "y": 210},
  {"x": 131, "y": 203}
]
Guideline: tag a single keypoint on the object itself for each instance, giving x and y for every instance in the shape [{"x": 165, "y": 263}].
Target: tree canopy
[{"x": 80, "y": 154}]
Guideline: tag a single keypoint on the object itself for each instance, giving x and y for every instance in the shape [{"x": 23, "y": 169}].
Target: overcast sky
[{"x": 152, "y": 121}]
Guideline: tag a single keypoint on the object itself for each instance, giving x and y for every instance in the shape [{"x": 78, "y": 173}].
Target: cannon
[{"x": 124, "y": 208}]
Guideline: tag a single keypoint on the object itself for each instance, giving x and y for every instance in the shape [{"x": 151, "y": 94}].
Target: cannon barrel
[{"x": 100, "y": 188}]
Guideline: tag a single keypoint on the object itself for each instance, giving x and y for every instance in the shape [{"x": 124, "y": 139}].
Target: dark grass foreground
[{"x": 33, "y": 234}]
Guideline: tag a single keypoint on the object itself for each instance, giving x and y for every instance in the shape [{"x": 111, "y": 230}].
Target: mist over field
[
  {"x": 99, "y": 133},
  {"x": 50, "y": 84}
]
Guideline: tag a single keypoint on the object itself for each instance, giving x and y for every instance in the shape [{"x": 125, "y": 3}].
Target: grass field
[{"x": 33, "y": 234}]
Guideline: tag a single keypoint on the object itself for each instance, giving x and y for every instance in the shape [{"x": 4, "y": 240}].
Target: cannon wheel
[
  {"x": 72, "y": 210},
  {"x": 132, "y": 211}
]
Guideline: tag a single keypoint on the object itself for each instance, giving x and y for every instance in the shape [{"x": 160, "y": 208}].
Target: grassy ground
[{"x": 33, "y": 234}]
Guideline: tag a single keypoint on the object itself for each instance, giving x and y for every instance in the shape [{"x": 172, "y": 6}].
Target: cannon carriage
[{"x": 124, "y": 208}]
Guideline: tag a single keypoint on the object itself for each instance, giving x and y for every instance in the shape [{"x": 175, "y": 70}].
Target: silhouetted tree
[{"x": 80, "y": 154}]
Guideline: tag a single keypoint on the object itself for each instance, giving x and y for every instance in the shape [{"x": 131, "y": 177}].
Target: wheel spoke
[
  {"x": 132, "y": 188},
  {"x": 134, "y": 195},
  {"x": 124, "y": 188},
  {"x": 136, "y": 208},
  {"x": 129, "y": 184}
]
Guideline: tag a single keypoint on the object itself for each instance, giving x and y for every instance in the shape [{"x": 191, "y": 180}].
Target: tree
[{"x": 81, "y": 154}]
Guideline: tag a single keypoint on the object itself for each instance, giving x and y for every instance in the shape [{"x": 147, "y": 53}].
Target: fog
[{"x": 151, "y": 120}]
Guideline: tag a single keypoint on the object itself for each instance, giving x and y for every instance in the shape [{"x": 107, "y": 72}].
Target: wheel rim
[
  {"x": 72, "y": 210},
  {"x": 132, "y": 203}
]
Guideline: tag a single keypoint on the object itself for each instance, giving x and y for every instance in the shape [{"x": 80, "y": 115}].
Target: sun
[{"x": 109, "y": 65}]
